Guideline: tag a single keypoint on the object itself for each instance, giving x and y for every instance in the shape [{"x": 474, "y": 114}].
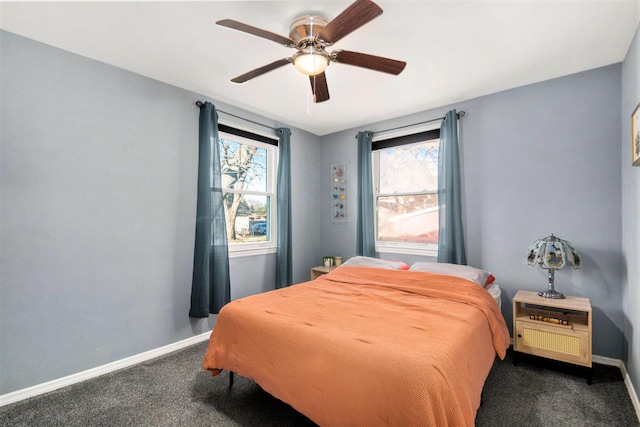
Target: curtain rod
[
  {"x": 458, "y": 115},
  {"x": 199, "y": 104}
]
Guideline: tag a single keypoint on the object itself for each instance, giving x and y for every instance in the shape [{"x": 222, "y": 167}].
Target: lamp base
[{"x": 551, "y": 293}]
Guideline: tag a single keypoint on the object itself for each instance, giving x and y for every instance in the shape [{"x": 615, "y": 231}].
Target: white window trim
[
  {"x": 429, "y": 249},
  {"x": 237, "y": 250},
  {"x": 244, "y": 251},
  {"x": 404, "y": 248}
]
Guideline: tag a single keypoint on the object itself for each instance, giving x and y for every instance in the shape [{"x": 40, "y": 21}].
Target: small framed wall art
[
  {"x": 635, "y": 136},
  {"x": 339, "y": 192}
]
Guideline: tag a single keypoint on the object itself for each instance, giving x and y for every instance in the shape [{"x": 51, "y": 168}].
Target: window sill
[
  {"x": 245, "y": 252},
  {"x": 407, "y": 250}
]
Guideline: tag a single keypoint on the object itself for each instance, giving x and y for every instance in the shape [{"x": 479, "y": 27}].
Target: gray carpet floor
[{"x": 173, "y": 390}]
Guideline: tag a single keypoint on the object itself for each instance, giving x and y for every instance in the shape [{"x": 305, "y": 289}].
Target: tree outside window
[{"x": 247, "y": 181}]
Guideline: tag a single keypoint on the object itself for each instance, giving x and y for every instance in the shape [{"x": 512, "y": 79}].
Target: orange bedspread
[{"x": 363, "y": 346}]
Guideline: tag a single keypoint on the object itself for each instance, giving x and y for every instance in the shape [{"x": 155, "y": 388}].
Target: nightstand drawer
[{"x": 553, "y": 342}]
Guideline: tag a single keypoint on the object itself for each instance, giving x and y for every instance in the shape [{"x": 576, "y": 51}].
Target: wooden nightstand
[
  {"x": 558, "y": 329},
  {"x": 319, "y": 271}
]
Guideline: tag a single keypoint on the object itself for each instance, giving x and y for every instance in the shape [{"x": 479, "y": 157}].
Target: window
[
  {"x": 405, "y": 187},
  {"x": 248, "y": 167}
]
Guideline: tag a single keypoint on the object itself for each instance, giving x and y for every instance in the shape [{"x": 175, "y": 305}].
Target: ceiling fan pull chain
[{"x": 309, "y": 99}]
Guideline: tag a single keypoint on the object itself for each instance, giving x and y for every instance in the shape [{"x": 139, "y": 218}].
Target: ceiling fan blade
[
  {"x": 259, "y": 71},
  {"x": 319, "y": 87},
  {"x": 372, "y": 62},
  {"x": 235, "y": 25},
  {"x": 355, "y": 16}
]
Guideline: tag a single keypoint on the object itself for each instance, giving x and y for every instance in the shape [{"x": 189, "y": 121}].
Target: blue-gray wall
[
  {"x": 536, "y": 160},
  {"x": 97, "y": 197},
  {"x": 631, "y": 214}
]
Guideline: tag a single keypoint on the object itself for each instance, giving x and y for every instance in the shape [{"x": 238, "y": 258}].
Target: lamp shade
[{"x": 553, "y": 253}]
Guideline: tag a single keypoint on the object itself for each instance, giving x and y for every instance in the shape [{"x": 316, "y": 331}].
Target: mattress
[{"x": 496, "y": 293}]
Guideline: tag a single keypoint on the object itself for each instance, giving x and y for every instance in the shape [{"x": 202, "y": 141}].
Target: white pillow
[
  {"x": 481, "y": 277},
  {"x": 363, "y": 261}
]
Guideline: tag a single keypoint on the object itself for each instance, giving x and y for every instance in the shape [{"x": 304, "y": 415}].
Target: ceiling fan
[{"x": 310, "y": 36}]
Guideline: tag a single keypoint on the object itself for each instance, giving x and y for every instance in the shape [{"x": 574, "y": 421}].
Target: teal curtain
[
  {"x": 365, "y": 227},
  {"x": 284, "y": 266},
  {"x": 450, "y": 234},
  {"x": 210, "y": 286}
]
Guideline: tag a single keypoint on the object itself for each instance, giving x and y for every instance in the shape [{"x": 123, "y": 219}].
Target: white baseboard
[
  {"x": 607, "y": 361},
  {"x": 35, "y": 390},
  {"x": 630, "y": 390}
]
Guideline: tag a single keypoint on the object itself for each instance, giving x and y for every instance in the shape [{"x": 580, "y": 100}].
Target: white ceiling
[{"x": 455, "y": 50}]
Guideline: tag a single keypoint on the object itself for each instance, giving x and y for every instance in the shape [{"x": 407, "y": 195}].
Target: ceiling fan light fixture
[{"x": 310, "y": 64}]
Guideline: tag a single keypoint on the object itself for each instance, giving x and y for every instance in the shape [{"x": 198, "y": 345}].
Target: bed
[{"x": 366, "y": 346}]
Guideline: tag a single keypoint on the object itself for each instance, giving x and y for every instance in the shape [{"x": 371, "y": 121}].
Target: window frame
[
  {"x": 237, "y": 134},
  {"x": 409, "y": 135}
]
